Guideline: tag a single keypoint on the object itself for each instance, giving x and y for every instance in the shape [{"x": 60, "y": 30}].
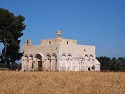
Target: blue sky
[{"x": 92, "y": 22}]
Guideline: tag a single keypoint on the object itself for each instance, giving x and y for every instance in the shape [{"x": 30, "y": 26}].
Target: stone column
[
  {"x": 23, "y": 63},
  {"x": 71, "y": 65},
  {"x": 51, "y": 64},
  {"x": 46, "y": 64},
  {"x": 30, "y": 63},
  {"x": 36, "y": 64},
  {"x": 59, "y": 64},
  {"x": 66, "y": 63}
]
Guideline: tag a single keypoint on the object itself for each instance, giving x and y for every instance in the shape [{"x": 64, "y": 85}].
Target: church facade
[{"x": 59, "y": 54}]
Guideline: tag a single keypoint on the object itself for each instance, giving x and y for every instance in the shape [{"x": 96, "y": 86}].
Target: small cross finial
[{"x": 58, "y": 34}]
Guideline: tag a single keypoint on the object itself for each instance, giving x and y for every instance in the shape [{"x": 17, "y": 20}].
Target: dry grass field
[{"x": 62, "y": 82}]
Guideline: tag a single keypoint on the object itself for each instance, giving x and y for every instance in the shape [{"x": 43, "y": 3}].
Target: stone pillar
[
  {"x": 66, "y": 63},
  {"x": 30, "y": 63},
  {"x": 45, "y": 64},
  {"x": 23, "y": 64},
  {"x": 36, "y": 64},
  {"x": 51, "y": 65},
  {"x": 59, "y": 64},
  {"x": 71, "y": 65}
]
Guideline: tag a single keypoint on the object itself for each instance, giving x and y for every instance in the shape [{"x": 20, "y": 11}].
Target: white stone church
[{"x": 59, "y": 54}]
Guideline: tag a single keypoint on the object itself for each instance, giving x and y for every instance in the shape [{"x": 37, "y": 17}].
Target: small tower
[{"x": 58, "y": 34}]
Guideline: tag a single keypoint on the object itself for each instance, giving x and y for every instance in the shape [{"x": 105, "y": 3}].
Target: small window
[
  {"x": 32, "y": 65},
  {"x": 84, "y": 50},
  {"x": 27, "y": 42},
  {"x": 67, "y": 42},
  {"x": 63, "y": 54},
  {"x": 91, "y": 55},
  {"x": 49, "y": 42}
]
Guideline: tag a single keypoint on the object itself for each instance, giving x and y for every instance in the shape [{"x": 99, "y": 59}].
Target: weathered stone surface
[{"x": 59, "y": 54}]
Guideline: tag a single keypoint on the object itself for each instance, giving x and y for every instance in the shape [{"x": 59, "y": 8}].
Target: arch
[
  {"x": 38, "y": 62},
  {"x": 41, "y": 55},
  {"x": 91, "y": 56},
  {"x": 30, "y": 56},
  {"x": 48, "y": 56},
  {"x": 69, "y": 54},
  {"x": 38, "y": 56},
  {"x": 26, "y": 55},
  {"x": 86, "y": 56},
  {"x": 54, "y": 55},
  {"x": 64, "y": 54}
]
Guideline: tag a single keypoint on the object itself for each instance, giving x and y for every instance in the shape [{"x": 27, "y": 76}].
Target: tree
[
  {"x": 121, "y": 60},
  {"x": 11, "y": 28},
  {"x": 113, "y": 64},
  {"x": 105, "y": 62}
]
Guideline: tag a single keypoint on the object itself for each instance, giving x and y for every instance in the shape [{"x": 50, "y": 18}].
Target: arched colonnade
[
  {"x": 66, "y": 62},
  {"x": 39, "y": 62},
  {"x": 69, "y": 62}
]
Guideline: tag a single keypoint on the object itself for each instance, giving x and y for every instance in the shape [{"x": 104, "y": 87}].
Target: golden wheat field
[{"x": 62, "y": 82}]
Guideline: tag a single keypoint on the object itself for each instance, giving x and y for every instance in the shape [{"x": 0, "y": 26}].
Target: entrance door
[{"x": 39, "y": 65}]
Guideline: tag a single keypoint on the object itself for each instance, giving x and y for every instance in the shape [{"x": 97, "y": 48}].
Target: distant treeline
[
  {"x": 112, "y": 64},
  {"x": 13, "y": 66}
]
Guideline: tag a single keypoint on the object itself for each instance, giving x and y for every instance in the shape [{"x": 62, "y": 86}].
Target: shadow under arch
[
  {"x": 39, "y": 62},
  {"x": 31, "y": 56},
  {"x": 26, "y": 56}
]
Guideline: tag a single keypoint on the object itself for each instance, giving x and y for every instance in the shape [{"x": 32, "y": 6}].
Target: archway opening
[{"x": 39, "y": 62}]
